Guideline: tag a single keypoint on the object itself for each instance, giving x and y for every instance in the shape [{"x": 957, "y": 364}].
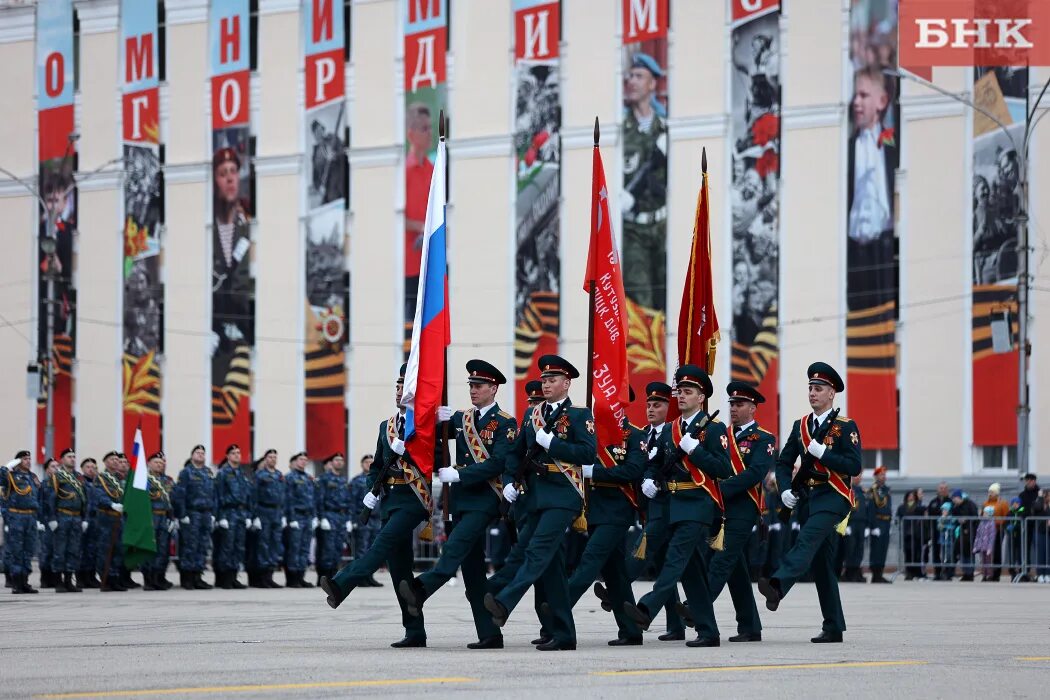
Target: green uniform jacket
[
  {"x": 711, "y": 457},
  {"x": 879, "y": 507},
  {"x": 842, "y": 456},
  {"x": 573, "y": 443},
  {"x": 606, "y": 503},
  {"x": 756, "y": 448},
  {"x": 396, "y": 496},
  {"x": 859, "y": 516},
  {"x": 659, "y": 506},
  {"x": 498, "y": 430}
]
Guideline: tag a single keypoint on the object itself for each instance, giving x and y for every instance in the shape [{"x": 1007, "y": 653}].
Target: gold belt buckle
[{"x": 672, "y": 486}]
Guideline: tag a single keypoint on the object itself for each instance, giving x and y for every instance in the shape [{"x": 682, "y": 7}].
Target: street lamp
[{"x": 1024, "y": 408}]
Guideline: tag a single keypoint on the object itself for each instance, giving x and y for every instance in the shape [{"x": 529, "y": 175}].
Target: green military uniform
[
  {"x": 880, "y": 515},
  {"x": 553, "y": 500},
  {"x": 828, "y": 501},
  {"x": 483, "y": 440},
  {"x": 696, "y": 511},
  {"x": 853, "y": 544}
]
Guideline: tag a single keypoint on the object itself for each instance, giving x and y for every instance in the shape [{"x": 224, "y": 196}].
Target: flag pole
[
  {"x": 444, "y": 379},
  {"x": 703, "y": 188},
  {"x": 590, "y": 298}
]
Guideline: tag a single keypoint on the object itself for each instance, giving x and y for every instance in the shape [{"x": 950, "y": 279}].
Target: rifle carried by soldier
[
  {"x": 532, "y": 462},
  {"x": 673, "y": 458},
  {"x": 806, "y": 472},
  {"x": 378, "y": 486}
]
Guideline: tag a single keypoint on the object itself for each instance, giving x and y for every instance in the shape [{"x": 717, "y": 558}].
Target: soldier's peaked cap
[
  {"x": 745, "y": 392},
  {"x": 534, "y": 389},
  {"x": 401, "y": 373},
  {"x": 691, "y": 375},
  {"x": 658, "y": 391},
  {"x": 823, "y": 373},
  {"x": 481, "y": 372},
  {"x": 554, "y": 365}
]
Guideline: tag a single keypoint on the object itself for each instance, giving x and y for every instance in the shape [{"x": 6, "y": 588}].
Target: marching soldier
[
  {"x": 86, "y": 574},
  {"x": 234, "y": 495},
  {"x": 301, "y": 514},
  {"x": 880, "y": 514},
  {"x": 109, "y": 523},
  {"x": 696, "y": 508},
  {"x": 160, "y": 487},
  {"x": 20, "y": 504},
  {"x": 269, "y": 521},
  {"x": 652, "y": 549},
  {"x": 855, "y": 535},
  {"x": 406, "y": 503},
  {"x": 194, "y": 504},
  {"x": 65, "y": 510},
  {"x": 362, "y": 536},
  {"x": 553, "y": 498},
  {"x": 333, "y": 505},
  {"x": 830, "y": 452},
  {"x": 484, "y": 435}
]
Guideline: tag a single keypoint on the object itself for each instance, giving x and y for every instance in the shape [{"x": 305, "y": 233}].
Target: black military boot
[
  {"x": 234, "y": 583},
  {"x": 26, "y": 588},
  {"x": 199, "y": 582},
  {"x": 59, "y": 583},
  {"x": 71, "y": 584},
  {"x": 46, "y": 579},
  {"x": 291, "y": 579},
  {"x": 127, "y": 581},
  {"x": 270, "y": 583},
  {"x": 303, "y": 583},
  {"x": 185, "y": 580},
  {"x": 162, "y": 582},
  {"x": 149, "y": 582}
]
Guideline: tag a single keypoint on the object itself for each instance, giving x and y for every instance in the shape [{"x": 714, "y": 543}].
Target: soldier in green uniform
[
  {"x": 553, "y": 498},
  {"x": 880, "y": 515},
  {"x": 644, "y": 186},
  {"x": 696, "y": 509},
  {"x": 853, "y": 544},
  {"x": 832, "y": 461},
  {"x": 484, "y": 435},
  {"x": 403, "y": 509}
]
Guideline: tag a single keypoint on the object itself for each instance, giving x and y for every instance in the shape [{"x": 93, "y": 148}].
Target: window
[
  {"x": 1002, "y": 457},
  {"x": 891, "y": 459}
]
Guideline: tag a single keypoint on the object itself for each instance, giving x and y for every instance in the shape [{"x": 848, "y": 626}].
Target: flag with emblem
[
  {"x": 431, "y": 331},
  {"x": 140, "y": 545},
  {"x": 697, "y": 320}
]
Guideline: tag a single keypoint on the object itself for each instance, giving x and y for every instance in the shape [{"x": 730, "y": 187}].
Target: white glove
[
  {"x": 510, "y": 493},
  {"x": 247, "y": 523},
  {"x": 173, "y": 525},
  {"x": 325, "y": 524},
  {"x": 652, "y": 452},
  {"x": 398, "y": 446},
  {"x": 284, "y": 523},
  {"x": 119, "y": 507},
  {"x": 83, "y": 525},
  {"x": 444, "y": 414},
  {"x": 224, "y": 524},
  {"x": 294, "y": 524},
  {"x": 185, "y": 520},
  {"x": 688, "y": 443},
  {"x": 349, "y": 525},
  {"x": 816, "y": 449},
  {"x": 40, "y": 527},
  {"x": 448, "y": 475},
  {"x": 849, "y": 530},
  {"x": 796, "y": 526},
  {"x": 649, "y": 488},
  {"x": 877, "y": 532},
  {"x": 370, "y": 500},
  {"x": 775, "y": 527},
  {"x": 544, "y": 439},
  {"x": 867, "y": 532},
  {"x": 257, "y": 524},
  {"x": 53, "y": 524},
  {"x": 789, "y": 499},
  {"x": 588, "y": 471},
  {"x": 213, "y": 523},
  {"x": 314, "y": 522}
]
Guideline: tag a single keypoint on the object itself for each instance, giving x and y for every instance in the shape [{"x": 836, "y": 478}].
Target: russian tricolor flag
[{"x": 431, "y": 332}]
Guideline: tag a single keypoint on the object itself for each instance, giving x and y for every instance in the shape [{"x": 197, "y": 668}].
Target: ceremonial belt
[
  {"x": 68, "y": 511},
  {"x": 477, "y": 449},
  {"x": 107, "y": 511},
  {"x": 569, "y": 471},
  {"x": 736, "y": 459},
  {"x": 835, "y": 479},
  {"x": 22, "y": 511},
  {"x": 603, "y": 485},
  {"x": 608, "y": 462},
  {"x": 701, "y": 480},
  {"x": 413, "y": 475},
  {"x": 883, "y": 517},
  {"x": 396, "y": 481},
  {"x": 160, "y": 511},
  {"x": 673, "y": 486}
]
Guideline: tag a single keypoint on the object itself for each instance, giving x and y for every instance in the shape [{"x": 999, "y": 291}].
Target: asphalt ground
[{"x": 909, "y": 639}]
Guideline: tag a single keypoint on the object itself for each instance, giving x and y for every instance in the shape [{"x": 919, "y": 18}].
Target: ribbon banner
[
  {"x": 233, "y": 287},
  {"x": 327, "y": 179},
  {"x": 537, "y": 144},
  {"x": 871, "y": 243},
  {"x": 143, "y": 214},
  {"x": 755, "y": 196},
  {"x": 644, "y": 195},
  {"x": 56, "y": 262},
  {"x": 426, "y": 43},
  {"x": 997, "y": 205}
]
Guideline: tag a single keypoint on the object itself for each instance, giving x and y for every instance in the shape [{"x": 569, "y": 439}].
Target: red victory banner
[{"x": 697, "y": 320}]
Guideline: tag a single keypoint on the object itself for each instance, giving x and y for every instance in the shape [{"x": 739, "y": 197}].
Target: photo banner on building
[
  {"x": 644, "y": 196},
  {"x": 327, "y": 177},
  {"x": 755, "y": 196},
  {"x": 143, "y": 214},
  {"x": 426, "y": 44},
  {"x": 56, "y": 154},
  {"x": 873, "y": 153},
  {"x": 537, "y": 146},
  {"x": 997, "y": 206},
  {"x": 233, "y": 287}
]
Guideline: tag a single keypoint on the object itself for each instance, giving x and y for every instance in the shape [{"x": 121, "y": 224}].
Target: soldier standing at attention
[
  {"x": 160, "y": 487},
  {"x": 125, "y": 575},
  {"x": 269, "y": 521},
  {"x": 65, "y": 509},
  {"x": 363, "y": 535},
  {"x": 406, "y": 503},
  {"x": 194, "y": 502},
  {"x": 855, "y": 535},
  {"x": 484, "y": 435},
  {"x": 19, "y": 505},
  {"x": 234, "y": 495},
  {"x": 880, "y": 515},
  {"x": 109, "y": 523},
  {"x": 333, "y": 505},
  {"x": 696, "y": 509},
  {"x": 832, "y": 461},
  {"x": 553, "y": 498},
  {"x": 86, "y": 573},
  {"x": 47, "y": 575},
  {"x": 301, "y": 514}
]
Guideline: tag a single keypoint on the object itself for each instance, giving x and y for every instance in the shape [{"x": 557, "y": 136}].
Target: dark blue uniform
[
  {"x": 853, "y": 544},
  {"x": 300, "y": 509},
  {"x": 362, "y": 535},
  {"x": 234, "y": 494},
  {"x": 65, "y": 502},
  {"x": 194, "y": 504},
  {"x": 880, "y": 515},
  {"x": 333, "y": 504},
  {"x": 109, "y": 525},
  {"x": 160, "y": 491},
  {"x": 20, "y": 500},
  {"x": 88, "y": 545},
  {"x": 269, "y": 509}
]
